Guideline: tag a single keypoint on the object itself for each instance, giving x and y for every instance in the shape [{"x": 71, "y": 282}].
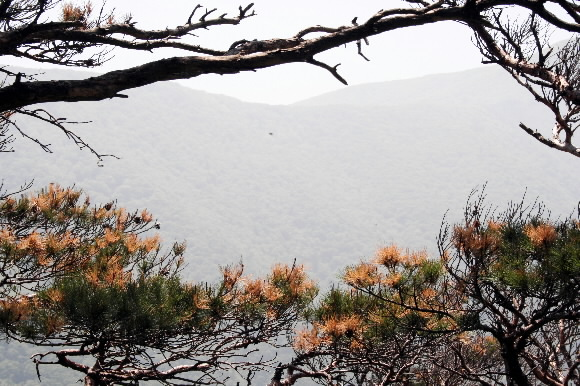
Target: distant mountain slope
[
  {"x": 325, "y": 181},
  {"x": 269, "y": 183},
  {"x": 489, "y": 86}
]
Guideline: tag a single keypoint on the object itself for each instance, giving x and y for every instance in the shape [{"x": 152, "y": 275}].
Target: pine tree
[
  {"x": 84, "y": 283},
  {"x": 498, "y": 306}
]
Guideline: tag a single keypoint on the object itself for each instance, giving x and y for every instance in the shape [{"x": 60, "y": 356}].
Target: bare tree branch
[{"x": 84, "y": 38}]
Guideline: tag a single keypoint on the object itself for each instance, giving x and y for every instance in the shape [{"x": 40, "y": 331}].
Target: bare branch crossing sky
[
  {"x": 400, "y": 54},
  {"x": 445, "y": 47}
]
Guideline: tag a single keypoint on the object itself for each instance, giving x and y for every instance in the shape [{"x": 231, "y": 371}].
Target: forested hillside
[
  {"x": 325, "y": 181},
  {"x": 269, "y": 183}
]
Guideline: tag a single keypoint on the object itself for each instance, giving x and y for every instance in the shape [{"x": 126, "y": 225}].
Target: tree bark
[
  {"x": 90, "y": 381},
  {"x": 514, "y": 372}
]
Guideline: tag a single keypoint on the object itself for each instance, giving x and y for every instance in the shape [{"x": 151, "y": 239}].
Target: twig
[{"x": 330, "y": 69}]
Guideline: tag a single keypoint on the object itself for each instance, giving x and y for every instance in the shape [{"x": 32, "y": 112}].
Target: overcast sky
[{"x": 406, "y": 53}]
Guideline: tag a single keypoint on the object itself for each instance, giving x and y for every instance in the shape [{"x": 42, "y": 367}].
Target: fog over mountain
[{"x": 325, "y": 181}]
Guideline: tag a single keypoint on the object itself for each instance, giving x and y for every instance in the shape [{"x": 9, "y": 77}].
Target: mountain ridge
[{"x": 428, "y": 88}]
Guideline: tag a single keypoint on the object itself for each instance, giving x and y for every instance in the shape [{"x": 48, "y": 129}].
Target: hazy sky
[{"x": 406, "y": 53}]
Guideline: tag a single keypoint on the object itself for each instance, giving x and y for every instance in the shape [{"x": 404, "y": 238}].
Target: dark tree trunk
[
  {"x": 92, "y": 381},
  {"x": 514, "y": 372}
]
